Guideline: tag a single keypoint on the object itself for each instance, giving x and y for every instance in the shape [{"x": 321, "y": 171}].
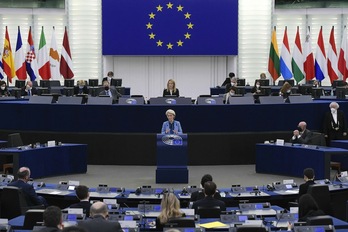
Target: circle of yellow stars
[{"x": 169, "y": 44}]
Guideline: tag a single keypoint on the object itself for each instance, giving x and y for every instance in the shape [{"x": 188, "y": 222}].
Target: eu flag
[{"x": 170, "y": 27}]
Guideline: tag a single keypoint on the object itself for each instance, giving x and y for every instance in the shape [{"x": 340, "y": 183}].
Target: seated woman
[
  {"x": 308, "y": 207},
  {"x": 3, "y": 89},
  {"x": 81, "y": 88},
  {"x": 170, "y": 208},
  {"x": 171, "y": 89},
  {"x": 285, "y": 91}
]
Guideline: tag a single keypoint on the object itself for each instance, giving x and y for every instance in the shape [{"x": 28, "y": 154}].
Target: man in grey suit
[
  {"x": 98, "y": 222},
  {"x": 110, "y": 91}
]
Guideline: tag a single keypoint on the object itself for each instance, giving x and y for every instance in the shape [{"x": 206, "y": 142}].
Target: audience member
[
  {"x": 28, "y": 190},
  {"x": 308, "y": 207},
  {"x": 171, "y": 126},
  {"x": 308, "y": 176},
  {"x": 209, "y": 200},
  {"x": 73, "y": 229},
  {"x": 263, "y": 76},
  {"x": 28, "y": 89},
  {"x": 302, "y": 135},
  {"x": 256, "y": 89},
  {"x": 109, "y": 76},
  {"x": 228, "y": 79},
  {"x": 335, "y": 126},
  {"x": 98, "y": 222},
  {"x": 316, "y": 84},
  {"x": 52, "y": 218},
  {"x": 285, "y": 91},
  {"x": 233, "y": 83},
  {"x": 112, "y": 92},
  {"x": 3, "y": 89},
  {"x": 232, "y": 91},
  {"x": 81, "y": 87},
  {"x": 171, "y": 89},
  {"x": 198, "y": 195},
  {"x": 170, "y": 208},
  {"x": 82, "y": 194}
]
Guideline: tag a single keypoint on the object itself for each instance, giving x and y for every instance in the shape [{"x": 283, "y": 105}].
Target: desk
[
  {"x": 50, "y": 161},
  {"x": 342, "y": 159},
  {"x": 292, "y": 160}
]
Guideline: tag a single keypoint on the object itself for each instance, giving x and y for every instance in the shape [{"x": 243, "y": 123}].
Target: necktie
[{"x": 29, "y": 92}]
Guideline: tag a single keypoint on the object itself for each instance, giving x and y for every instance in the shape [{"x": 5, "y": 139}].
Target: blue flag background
[{"x": 173, "y": 27}]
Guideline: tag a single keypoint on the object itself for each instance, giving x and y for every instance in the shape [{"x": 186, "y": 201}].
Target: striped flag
[
  {"x": 342, "y": 59},
  {"x": 54, "y": 57},
  {"x": 332, "y": 68},
  {"x": 30, "y": 58},
  {"x": 21, "y": 69},
  {"x": 285, "y": 57},
  {"x": 273, "y": 61},
  {"x": 320, "y": 58},
  {"x": 66, "y": 64},
  {"x": 297, "y": 59},
  {"x": 1, "y": 69},
  {"x": 308, "y": 65},
  {"x": 7, "y": 58},
  {"x": 43, "y": 59}
]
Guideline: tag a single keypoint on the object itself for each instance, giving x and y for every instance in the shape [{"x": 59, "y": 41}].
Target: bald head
[
  {"x": 23, "y": 173},
  {"x": 99, "y": 208},
  {"x": 302, "y": 125}
]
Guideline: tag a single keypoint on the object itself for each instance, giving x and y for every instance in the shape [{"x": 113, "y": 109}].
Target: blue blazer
[
  {"x": 177, "y": 127},
  {"x": 29, "y": 192}
]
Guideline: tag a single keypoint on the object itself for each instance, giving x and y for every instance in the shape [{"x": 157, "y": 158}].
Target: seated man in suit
[
  {"x": 110, "y": 91},
  {"x": 53, "y": 220},
  {"x": 82, "y": 194},
  {"x": 302, "y": 135},
  {"x": 308, "y": 176},
  {"x": 209, "y": 200},
  {"x": 30, "y": 195},
  {"x": 198, "y": 195},
  {"x": 98, "y": 222},
  {"x": 28, "y": 89}
]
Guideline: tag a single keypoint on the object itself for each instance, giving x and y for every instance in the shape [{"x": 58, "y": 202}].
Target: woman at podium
[{"x": 171, "y": 126}]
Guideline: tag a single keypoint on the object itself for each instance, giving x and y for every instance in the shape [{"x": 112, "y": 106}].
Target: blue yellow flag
[{"x": 173, "y": 27}]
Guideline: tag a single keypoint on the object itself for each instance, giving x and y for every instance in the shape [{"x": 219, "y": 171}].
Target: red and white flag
[
  {"x": 308, "y": 57},
  {"x": 342, "y": 59},
  {"x": 66, "y": 65},
  {"x": 42, "y": 58},
  {"x": 332, "y": 68},
  {"x": 21, "y": 67}
]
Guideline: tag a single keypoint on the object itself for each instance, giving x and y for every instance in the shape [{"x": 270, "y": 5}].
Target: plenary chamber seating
[
  {"x": 209, "y": 212},
  {"x": 321, "y": 195}
]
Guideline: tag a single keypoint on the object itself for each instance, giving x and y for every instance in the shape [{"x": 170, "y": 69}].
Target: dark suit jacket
[
  {"x": 226, "y": 81},
  {"x": 99, "y": 224},
  {"x": 166, "y": 93},
  {"x": 4, "y": 92},
  {"x": 330, "y": 125},
  {"x": 77, "y": 90},
  {"x": 228, "y": 86},
  {"x": 198, "y": 195},
  {"x": 115, "y": 94},
  {"x": 25, "y": 93},
  {"x": 209, "y": 202},
  {"x": 30, "y": 194},
  {"x": 304, "y": 139},
  {"x": 304, "y": 188},
  {"x": 49, "y": 229},
  {"x": 85, "y": 205}
]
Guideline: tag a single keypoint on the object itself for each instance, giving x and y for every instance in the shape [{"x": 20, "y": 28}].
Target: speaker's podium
[{"x": 171, "y": 158}]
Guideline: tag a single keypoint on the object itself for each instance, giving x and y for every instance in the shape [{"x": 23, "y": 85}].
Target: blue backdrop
[{"x": 176, "y": 27}]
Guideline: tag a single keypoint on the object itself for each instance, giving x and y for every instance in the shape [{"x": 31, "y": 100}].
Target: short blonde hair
[{"x": 170, "y": 111}]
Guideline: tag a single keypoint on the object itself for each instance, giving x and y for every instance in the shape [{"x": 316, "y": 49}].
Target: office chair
[
  {"x": 13, "y": 203},
  {"x": 181, "y": 222},
  {"x": 317, "y": 139},
  {"x": 33, "y": 217},
  {"x": 319, "y": 220},
  {"x": 321, "y": 195},
  {"x": 250, "y": 228},
  {"x": 208, "y": 211},
  {"x": 13, "y": 140}
]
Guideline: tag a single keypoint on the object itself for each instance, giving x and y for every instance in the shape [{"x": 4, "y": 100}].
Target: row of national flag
[
  {"x": 302, "y": 65},
  {"x": 44, "y": 64}
]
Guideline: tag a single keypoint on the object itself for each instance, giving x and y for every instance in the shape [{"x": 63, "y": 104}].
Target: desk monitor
[
  {"x": 341, "y": 92},
  {"x": 116, "y": 82},
  {"x": 305, "y": 89},
  {"x": 266, "y": 90},
  {"x": 240, "y": 82},
  {"x": 45, "y": 83},
  {"x": 69, "y": 83},
  {"x": 263, "y": 82},
  {"x": 240, "y": 90},
  {"x": 14, "y": 140},
  {"x": 241, "y": 100},
  {"x": 43, "y": 90},
  {"x": 55, "y": 83},
  {"x": 94, "y": 90},
  {"x": 338, "y": 83},
  {"x": 93, "y": 82},
  {"x": 121, "y": 90},
  {"x": 68, "y": 91},
  {"x": 301, "y": 99},
  {"x": 20, "y": 83},
  {"x": 40, "y": 99},
  {"x": 291, "y": 82},
  {"x": 210, "y": 101},
  {"x": 317, "y": 92},
  {"x": 16, "y": 92},
  {"x": 131, "y": 101}
]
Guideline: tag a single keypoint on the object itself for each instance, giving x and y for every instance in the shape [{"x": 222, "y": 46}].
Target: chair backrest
[
  {"x": 13, "y": 203},
  {"x": 317, "y": 139},
  {"x": 209, "y": 212},
  {"x": 14, "y": 140},
  {"x": 321, "y": 195},
  {"x": 33, "y": 217},
  {"x": 181, "y": 222},
  {"x": 319, "y": 220}
]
